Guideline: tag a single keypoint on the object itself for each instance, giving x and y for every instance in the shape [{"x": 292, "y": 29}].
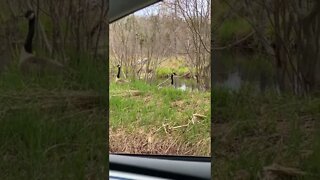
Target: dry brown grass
[
  {"x": 152, "y": 143},
  {"x": 173, "y": 62}
]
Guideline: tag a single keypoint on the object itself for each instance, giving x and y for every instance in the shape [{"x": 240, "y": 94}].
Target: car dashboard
[{"x": 157, "y": 167}]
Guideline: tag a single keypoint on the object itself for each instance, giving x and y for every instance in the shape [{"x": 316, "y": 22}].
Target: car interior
[{"x": 127, "y": 166}]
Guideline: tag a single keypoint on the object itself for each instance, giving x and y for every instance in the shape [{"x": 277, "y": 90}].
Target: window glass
[{"x": 160, "y": 80}]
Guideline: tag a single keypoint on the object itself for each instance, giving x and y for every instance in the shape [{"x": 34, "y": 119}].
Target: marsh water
[
  {"x": 234, "y": 69},
  {"x": 187, "y": 84}
]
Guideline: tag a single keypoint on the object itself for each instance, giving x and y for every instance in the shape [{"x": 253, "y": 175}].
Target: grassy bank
[
  {"x": 251, "y": 132},
  {"x": 148, "y": 120},
  {"x": 53, "y": 126}
]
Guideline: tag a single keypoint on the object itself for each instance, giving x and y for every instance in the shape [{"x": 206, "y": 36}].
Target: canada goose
[
  {"x": 118, "y": 80},
  {"x": 183, "y": 87},
  {"x": 29, "y": 62},
  {"x": 172, "y": 82},
  {"x": 197, "y": 78}
]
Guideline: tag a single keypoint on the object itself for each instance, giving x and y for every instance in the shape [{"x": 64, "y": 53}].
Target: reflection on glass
[
  {"x": 53, "y": 91},
  {"x": 266, "y": 90}
]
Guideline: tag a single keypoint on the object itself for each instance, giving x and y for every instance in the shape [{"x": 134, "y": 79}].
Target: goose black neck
[
  {"x": 118, "y": 75},
  {"x": 171, "y": 79},
  {"x": 28, "y": 43},
  {"x": 197, "y": 79}
]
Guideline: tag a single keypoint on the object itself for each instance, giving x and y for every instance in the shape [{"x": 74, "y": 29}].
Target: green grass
[
  {"x": 252, "y": 131},
  {"x": 54, "y": 126},
  {"x": 153, "y": 107}
]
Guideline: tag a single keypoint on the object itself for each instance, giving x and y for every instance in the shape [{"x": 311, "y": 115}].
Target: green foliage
[
  {"x": 164, "y": 71},
  {"x": 183, "y": 70},
  {"x": 233, "y": 28}
]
